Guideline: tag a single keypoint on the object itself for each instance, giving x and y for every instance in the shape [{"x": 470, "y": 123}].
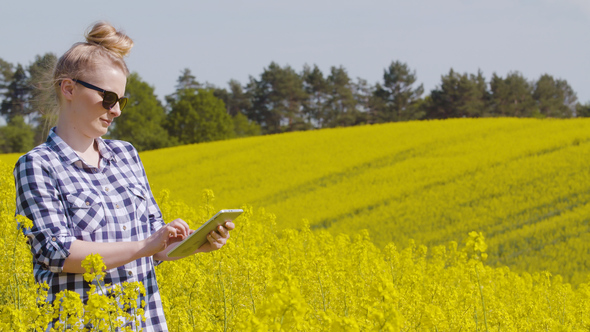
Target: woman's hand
[
  {"x": 173, "y": 232},
  {"x": 218, "y": 238}
]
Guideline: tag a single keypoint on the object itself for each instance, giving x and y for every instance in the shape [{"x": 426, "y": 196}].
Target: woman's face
[{"x": 86, "y": 114}]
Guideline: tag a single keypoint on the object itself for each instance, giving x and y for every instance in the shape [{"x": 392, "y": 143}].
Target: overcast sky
[{"x": 223, "y": 40}]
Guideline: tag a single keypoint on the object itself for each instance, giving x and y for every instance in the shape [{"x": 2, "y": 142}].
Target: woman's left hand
[{"x": 218, "y": 238}]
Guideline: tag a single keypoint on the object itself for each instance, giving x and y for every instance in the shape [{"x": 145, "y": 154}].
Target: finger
[
  {"x": 181, "y": 225},
  {"x": 222, "y": 231},
  {"x": 182, "y": 230},
  {"x": 214, "y": 236},
  {"x": 212, "y": 241},
  {"x": 177, "y": 232},
  {"x": 216, "y": 243},
  {"x": 179, "y": 221},
  {"x": 229, "y": 225},
  {"x": 172, "y": 232},
  {"x": 187, "y": 228}
]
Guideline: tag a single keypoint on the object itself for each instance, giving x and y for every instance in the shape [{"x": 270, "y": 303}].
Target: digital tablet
[{"x": 199, "y": 237}]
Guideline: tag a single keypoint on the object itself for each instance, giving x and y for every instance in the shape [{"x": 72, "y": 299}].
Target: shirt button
[
  {"x": 87, "y": 203},
  {"x": 53, "y": 239},
  {"x": 130, "y": 273},
  {"x": 117, "y": 206},
  {"x": 124, "y": 227},
  {"x": 106, "y": 189}
]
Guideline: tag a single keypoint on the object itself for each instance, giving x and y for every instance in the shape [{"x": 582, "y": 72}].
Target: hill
[{"x": 522, "y": 182}]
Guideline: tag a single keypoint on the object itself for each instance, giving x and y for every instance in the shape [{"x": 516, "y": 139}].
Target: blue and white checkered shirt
[{"x": 68, "y": 200}]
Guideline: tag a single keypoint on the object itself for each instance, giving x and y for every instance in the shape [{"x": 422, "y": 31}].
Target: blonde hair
[{"x": 103, "y": 42}]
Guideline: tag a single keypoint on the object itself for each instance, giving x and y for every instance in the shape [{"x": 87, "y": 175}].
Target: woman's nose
[{"x": 115, "y": 110}]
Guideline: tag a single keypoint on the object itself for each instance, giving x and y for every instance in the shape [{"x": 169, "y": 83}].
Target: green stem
[
  {"x": 251, "y": 296},
  {"x": 104, "y": 293},
  {"x": 483, "y": 304},
  {"x": 345, "y": 306},
  {"x": 476, "y": 321},
  {"x": 66, "y": 324},
  {"x": 14, "y": 269},
  {"x": 190, "y": 298},
  {"x": 321, "y": 289},
  {"x": 224, "y": 298}
]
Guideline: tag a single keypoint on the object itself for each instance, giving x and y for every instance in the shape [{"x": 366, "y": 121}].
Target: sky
[{"x": 223, "y": 40}]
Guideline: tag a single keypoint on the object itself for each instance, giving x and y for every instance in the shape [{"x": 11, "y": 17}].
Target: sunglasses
[{"x": 109, "y": 98}]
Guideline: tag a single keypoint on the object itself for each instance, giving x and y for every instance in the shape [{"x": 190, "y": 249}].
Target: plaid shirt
[{"x": 69, "y": 200}]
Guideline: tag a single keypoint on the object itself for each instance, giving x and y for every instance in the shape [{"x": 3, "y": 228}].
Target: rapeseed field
[
  {"x": 524, "y": 183},
  {"x": 455, "y": 225}
]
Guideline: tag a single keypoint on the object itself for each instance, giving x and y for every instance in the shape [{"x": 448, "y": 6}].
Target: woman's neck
[{"x": 83, "y": 145}]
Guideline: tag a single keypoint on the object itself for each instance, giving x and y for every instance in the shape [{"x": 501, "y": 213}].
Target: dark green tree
[
  {"x": 363, "y": 94},
  {"x": 141, "y": 122},
  {"x": 277, "y": 100},
  {"x": 6, "y": 73},
  {"x": 17, "y": 95},
  {"x": 42, "y": 98},
  {"x": 316, "y": 87},
  {"x": 244, "y": 127},
  {"x": 237, "y": 103},
  {"x": 458, "y": 96},
  {"x": 511, "y": 96},
  {"x": 236, "y": 99},
  {"x": 198, "y": 116},
  {"x": 583, "y": 111},
  {"x": 16, "y": 136},
  {"x": 396, "y": 98},
  {"x": 186, "y": 80},
  {"x": 554, "y": 98},
  {"x": 341, "y": 105}
]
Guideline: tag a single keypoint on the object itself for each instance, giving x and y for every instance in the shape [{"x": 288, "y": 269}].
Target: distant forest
[{"x": 279, "y": 100}]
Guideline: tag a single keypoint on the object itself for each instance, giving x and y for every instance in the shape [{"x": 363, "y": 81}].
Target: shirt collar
[
  {"x": 105, "y": 151},
  {"x": 68, "y": 154}
]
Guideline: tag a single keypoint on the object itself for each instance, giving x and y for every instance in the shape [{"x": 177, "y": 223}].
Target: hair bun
[{"x": 105, "y": 35}]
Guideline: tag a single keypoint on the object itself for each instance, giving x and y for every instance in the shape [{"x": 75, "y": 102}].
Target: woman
[{"x": 88, "y": 195}]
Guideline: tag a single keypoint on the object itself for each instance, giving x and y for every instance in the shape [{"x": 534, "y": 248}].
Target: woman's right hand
[
  {"x": 116, "y": 254},
  {"x": 173, "y": 232}
]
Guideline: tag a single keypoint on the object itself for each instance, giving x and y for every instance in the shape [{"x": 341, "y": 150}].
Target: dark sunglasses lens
[
  {"x": 122, "y": 103},
  {"x": 109, "y": 100}
]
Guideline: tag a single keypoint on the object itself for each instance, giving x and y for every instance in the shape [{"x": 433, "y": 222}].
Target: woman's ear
[{"x": 67, "y": 88}]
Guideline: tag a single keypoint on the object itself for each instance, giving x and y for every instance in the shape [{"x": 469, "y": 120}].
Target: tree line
[{"x": 280, "y": 99}]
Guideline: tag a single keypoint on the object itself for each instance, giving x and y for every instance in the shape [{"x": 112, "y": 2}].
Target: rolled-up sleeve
[
  {"x": 155, "y": 215},
  {"x": 38, "y": 199}
]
